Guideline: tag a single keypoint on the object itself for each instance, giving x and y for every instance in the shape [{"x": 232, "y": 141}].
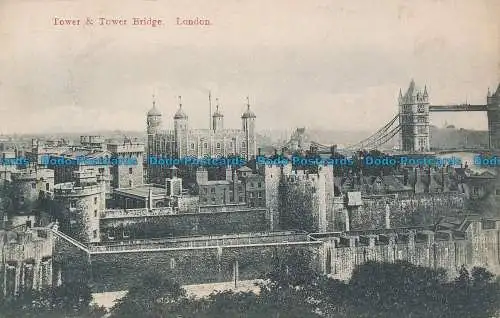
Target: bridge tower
[
  {"x": 493, "y": 112},
  {"x": 414, "y": 119}
]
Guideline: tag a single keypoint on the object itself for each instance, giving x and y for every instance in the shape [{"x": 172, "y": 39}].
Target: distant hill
[
  {"x": 451, "y": 138},
  {"x": 441, "y": 138}
]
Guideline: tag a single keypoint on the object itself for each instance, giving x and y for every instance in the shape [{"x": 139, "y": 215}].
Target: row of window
[
  {"x": 240, "y": 188},
  {"x": 259, "y": 194},
  {"x": 251, "y": 195},
  {"x": 231, "y": 199}
]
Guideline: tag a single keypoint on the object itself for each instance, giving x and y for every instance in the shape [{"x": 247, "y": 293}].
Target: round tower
[
  {"x": 180, "y": 130},
  {"x": 249, "y": 146},
  {"x": 80, "y": 204},
  {"x": 153, "y": 120},
  {"x": 217, "y": 118}
]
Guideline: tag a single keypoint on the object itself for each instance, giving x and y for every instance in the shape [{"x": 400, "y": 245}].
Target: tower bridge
[{"x": 411, "y": 123}]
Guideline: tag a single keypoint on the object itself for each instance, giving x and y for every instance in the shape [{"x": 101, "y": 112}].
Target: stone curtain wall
[
  {"x": 113, "y": 272},
  {"x": 298, "y": 207},
  {"x": 70, "y": 264},
  {"x": 27, "y": 262},
  {"x": 185, "y": 225},
  {"x": 414, "y": 210},
  {"x": 449, "y": 255},
  {"x": 477, "y": 246}
]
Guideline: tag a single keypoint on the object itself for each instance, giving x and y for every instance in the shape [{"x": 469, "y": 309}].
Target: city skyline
[{"x": 334, "y": 66}]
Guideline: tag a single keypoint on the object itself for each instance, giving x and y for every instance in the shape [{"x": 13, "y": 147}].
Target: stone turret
[{"x": 414, "y": 119}]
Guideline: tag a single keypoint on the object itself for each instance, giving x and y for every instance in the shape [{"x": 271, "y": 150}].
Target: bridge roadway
[{"x": 458, "y": 108}]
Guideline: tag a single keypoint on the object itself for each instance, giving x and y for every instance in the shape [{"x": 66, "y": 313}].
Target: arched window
[
  {"x": 218, "y": 145},
  {"x": 192, "y": 146},
  {"x": 243, "y": 144}
]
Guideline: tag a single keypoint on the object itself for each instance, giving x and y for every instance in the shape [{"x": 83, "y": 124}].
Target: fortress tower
[
  {"x": 126, "y": 176},
  {"x": 181, "y": 131},
  {"x": 181, "y": 141},
  {"x": 493, "y": 111},
  {"x": 217, "y": 118},
  {"x": 27, "y": 185},
  {"x": 80, "y": 204},
  {"x": 414, "y": 119},
  {"x": 249, "y": 145},
  {"x": 153, "y": 120}
]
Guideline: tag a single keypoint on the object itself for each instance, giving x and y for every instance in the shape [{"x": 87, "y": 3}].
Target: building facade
[{"x": 183, "y": 141}]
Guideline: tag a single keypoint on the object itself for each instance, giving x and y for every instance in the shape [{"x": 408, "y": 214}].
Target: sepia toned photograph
[{"x": 248, "y": 159}]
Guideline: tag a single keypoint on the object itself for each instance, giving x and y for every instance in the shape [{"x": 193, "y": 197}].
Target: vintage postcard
[{"x": 232, "y": 158}]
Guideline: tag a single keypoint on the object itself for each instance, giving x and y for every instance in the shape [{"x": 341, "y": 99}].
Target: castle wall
[
  {"x": 272, "y": 177},
  {"x": 111, "y": 272},
  {"x": 448, "y": 250},
  {"x": 243, "y": 257},
  {"x": 416, "y": 209},
  {"x": 26, "y": 261},
  {"x": 307, "y": 200},
  {"x": 237, "y": 221}
]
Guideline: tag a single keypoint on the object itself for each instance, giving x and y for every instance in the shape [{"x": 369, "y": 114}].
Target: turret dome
[
  {"x": 154, "y": 111},
  {"x": 180, "y": 114},
  {"x": 248, "y": 113},
  {"x": 217, "y": 112}
]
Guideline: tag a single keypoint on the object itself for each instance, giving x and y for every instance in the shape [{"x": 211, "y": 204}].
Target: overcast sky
[{"x": 320, "y": 64}]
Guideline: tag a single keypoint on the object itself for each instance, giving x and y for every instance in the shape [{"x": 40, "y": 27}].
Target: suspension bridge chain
[
  {"x": 379, "y": 135},
  {"x": 384, "y": 139}
]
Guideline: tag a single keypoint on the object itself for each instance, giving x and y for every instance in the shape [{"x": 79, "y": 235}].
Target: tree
[
  {"x": 67, "y": 300},
  {"x": 474, "y": 294},
  {"x": 396, "y": 290},
  {"x": 154, "y": 296}
]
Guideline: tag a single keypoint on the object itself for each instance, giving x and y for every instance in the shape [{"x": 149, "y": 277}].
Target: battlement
[
  {"x": 70, "y": 189},
  {"x": 302, "y": 178},
  {"x": 32, "y": 175},
  {"x": 408, "y": 235}
]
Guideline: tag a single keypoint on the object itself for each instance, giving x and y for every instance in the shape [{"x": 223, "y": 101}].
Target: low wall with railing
[{"x": 135, "y": 213}]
